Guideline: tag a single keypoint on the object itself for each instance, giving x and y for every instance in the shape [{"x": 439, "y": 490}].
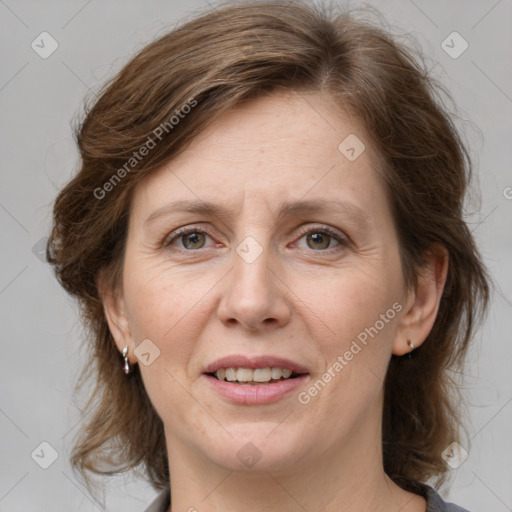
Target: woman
[{"x": 266, "y": 235}]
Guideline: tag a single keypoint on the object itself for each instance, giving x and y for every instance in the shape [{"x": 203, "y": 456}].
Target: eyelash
[
  {"x": 341, "y": 239},
  {"x": 176, "y": 235}
]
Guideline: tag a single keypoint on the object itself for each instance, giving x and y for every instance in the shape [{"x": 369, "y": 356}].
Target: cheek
[
  {"x": 355, "y": 353},
  {"x": 349, "y": 301},
  {"x": 151, "y": 298},
  {"x": 355, "y": 320},
  {"x": 166, "y": 306}
]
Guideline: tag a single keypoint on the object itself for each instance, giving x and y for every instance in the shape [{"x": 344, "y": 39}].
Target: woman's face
[{"x": 268, "y": 243}]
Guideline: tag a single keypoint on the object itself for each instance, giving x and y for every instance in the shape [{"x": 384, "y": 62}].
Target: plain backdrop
[{"x": 40, "y": 330}]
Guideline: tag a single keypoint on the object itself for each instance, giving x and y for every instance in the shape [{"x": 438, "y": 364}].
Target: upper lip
[{"x": 253, "y": 362}]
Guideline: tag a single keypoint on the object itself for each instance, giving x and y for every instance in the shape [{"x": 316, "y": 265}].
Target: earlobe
[{"x": 422, "y": 304}]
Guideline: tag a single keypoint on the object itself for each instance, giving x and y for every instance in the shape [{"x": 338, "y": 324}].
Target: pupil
[
  {"x": 192, "y": 239},
  {"x": 319, "y": 238}
]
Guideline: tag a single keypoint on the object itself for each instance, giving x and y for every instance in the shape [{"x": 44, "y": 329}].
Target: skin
[{"x": 303, "y": 298}]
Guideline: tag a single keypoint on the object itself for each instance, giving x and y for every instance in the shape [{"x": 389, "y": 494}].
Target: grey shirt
[{"x": 434, "y": 502}]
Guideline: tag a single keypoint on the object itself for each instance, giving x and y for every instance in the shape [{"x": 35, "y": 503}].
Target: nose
[{"x": 254, "y": 295}]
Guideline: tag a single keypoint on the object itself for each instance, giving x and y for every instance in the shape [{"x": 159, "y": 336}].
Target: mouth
[
  {"x": 255, "y": 376},
  {"x": 255, "y": 380}
]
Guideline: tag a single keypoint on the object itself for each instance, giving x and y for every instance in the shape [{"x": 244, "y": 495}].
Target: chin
[{"x": 256, "y": 449}]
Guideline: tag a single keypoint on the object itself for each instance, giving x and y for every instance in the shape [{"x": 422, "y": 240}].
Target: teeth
[
  {"x": 261, "y": 375},
  {"x": 276, "y": 373},
  {"x": 230, "y": 374},
  {"x": 244, "y": 375},
  {"x": 249, "y": 375}
]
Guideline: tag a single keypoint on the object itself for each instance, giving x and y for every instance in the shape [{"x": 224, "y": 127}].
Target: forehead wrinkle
[
  {"x": 296, "y": 208},
  {"x": 285, "y": 209}
]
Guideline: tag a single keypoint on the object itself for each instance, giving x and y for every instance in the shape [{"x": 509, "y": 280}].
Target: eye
[
  {"x": 321, "y": 239},
  {"x": 188, "y": 239},
  {"x": 317, "y": 239}
]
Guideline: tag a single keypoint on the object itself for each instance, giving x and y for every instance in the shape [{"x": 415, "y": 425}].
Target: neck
[{"x": 345, "y": 478}]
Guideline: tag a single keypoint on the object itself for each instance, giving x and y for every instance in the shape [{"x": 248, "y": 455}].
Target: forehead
[{"x": 275, "y": 148}]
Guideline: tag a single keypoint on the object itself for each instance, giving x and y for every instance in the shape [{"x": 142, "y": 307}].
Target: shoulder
[
  {"x": 161, "y": 502},
  {"x": 436, "y": 504}
]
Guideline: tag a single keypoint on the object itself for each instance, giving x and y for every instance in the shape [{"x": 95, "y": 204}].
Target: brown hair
[{"x": 211, "y": 64}]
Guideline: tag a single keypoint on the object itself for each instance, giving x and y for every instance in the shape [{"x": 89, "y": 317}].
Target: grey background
[{"x": 40, "y": 330}]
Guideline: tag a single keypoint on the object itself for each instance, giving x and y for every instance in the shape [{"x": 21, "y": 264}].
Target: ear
[
  {"x": 116, "y": 314},
  {"x": 422, "y": 303}
]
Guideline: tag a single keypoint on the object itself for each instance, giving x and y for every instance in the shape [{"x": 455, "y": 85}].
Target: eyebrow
[{"x": 286, "y": 209}]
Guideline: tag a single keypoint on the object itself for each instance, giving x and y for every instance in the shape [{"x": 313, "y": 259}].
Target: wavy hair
[{"x": 219, "y": 59}]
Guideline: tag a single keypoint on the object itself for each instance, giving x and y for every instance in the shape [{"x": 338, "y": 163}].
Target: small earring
[
  {"x": 411, "y": 345},
  {"x": 126, "y": 365}
]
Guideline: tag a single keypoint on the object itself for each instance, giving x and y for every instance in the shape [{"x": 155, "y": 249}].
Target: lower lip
[{"x": 255, "y": 394}]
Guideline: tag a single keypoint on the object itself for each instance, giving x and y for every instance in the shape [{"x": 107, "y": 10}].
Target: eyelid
[
  {"x": 178, "y": 233},
  {"x": 339, "y": 236},
  {"x": 343, "y": 239}
]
